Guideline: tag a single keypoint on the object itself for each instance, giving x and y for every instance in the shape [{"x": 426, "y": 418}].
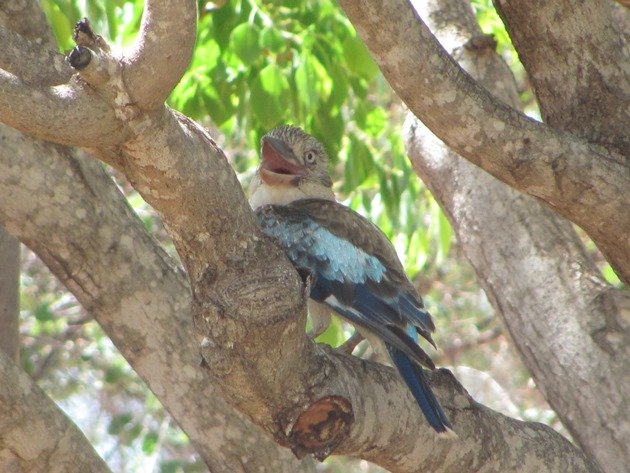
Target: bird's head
[{"x": 291, "y": 157}]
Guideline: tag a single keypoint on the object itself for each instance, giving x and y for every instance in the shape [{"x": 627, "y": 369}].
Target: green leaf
[
  {"x": 113, "y": 374},
  {"x": 306, "y": 83},
  {"x": 244, "y": 42},
  {"x": 312, "y": 83},
  {"x": 375, "y": 122},
  {"x": 61, "y": 25},
  {"x": 340, "y": 86},
  {"x": 446, "y": 235},
  {"x": 118, "y": 423},
  {"x": 271, "y": 39},
  {"x": 611, "y": 276},
  {"x": 358, "y": 58},
  {"x": 149, "y": 442},
  {"x": 270, "y": 96},
  {"x": 43, "y": 312},
  {"x": 333, "y": 335},
  {"x": 329, "y": 128},
  {"x": 359, "y": 164}
]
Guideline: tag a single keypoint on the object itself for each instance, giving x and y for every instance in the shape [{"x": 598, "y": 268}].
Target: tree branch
[
  {"x": 87, "y": 218},
  {"x": 9, "y": 295},
  {"x": 35, "y": 435},
  {"x": 71, "y": 214},
  {"x": 155, "y": 63},
  {"x": 593, "y": 70},
  {"x": 579, "y": 180},
  {"x": 26, "y": 19},
  {"x": 25, "y": 59},
  {"x": 569, "y": 326},
  {"x": 52, "y": 113},
  {"x": 307, "y": 396}
]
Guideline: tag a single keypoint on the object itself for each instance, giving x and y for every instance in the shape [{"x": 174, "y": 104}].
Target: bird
[{"x": 353, "y": 267}]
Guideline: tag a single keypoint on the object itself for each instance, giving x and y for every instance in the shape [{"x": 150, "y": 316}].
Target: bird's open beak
[{"x": 279, "y": 165}]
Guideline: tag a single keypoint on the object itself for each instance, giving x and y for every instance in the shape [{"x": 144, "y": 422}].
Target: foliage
[{"x": 258, "y": 64}]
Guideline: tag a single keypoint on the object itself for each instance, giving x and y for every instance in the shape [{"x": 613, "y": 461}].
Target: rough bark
[
  {"x": 584, "y": 182},
  {"x": 570, "y": 327},
  {"x": 71, "y": 214},
  {"x": 9, "y": 295},
  {"x": 32, "y": 59},
  {"x": 26, "y": 19},
  {"x": 247, "y": 300},
  {"x": 585, "y": 52},
  {"x": 35, "y": 435},
  {"x": 130, "y": 286}
]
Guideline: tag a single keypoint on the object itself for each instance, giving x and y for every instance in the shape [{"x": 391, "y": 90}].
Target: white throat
[{"x": 264, "y": 194}]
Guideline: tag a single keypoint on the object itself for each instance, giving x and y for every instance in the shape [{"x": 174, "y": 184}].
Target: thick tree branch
[
  {"x": 27, "y": 60},
  {"x": 71, "y": 214},
  {"x": 248, "y": 304},
  {"x": 162, "y": 52},
  {"x": 9, "y": 295},
  {"x": 26, "y": 18},
  {"x": 89, "y": 219},
  {"x": 570, "y": 327},
  {"x": 581, "y": 181},
  {"x": 52, "y": 113},
  {"x": 35, "y": 435},
  {"x": 593, "y": 100}
]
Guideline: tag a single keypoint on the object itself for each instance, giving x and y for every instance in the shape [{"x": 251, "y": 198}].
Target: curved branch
[
  {"x": 579, "y": 180},
  {"x": 26, "y": 60},
  {"x": 593, "y": 70},
  {"x": 71, "y": 214},
  {"x": 54, "y": 443},
  {"x": 73, "y": 115},
  {"x": 76, "y": 194},
  {"x": 162, "y": 52},
  {"x": 569, "y": 326}
]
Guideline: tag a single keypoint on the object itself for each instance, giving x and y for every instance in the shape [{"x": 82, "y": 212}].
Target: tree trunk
[
  {"x": 35, "y": 435},
  {"x": 9, "y": 295},
  {"x": 70, "y": 213},
  {"x": 247, "y": 301},
  {"x": 570, "y": 327},
  {"x": 582, "y": 181}
]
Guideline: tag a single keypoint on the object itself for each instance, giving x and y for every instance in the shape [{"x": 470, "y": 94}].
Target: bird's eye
[{"x": 309, "y": 157}]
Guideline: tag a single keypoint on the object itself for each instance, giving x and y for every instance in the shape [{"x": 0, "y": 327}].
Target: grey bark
[
  {"x": 71, "y": 214},
  {"x": 248, "y": 302},
  {"x": 570, "y": 327},
  {"x": 9, "y": 295},
  {"x": 582, "y": 181},
  {"x": 586, "y": 52},
  {"x": 35, "y": 435}
]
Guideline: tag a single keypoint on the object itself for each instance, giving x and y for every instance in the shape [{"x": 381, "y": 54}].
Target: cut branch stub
[
  {"x": 84, "y": 35},
  {"x": 80, "y": 57},
  {"x": 321, "y": 427},
  {"x": 93, "y": 59}
]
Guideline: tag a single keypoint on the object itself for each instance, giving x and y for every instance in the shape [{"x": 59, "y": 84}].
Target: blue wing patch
[{"x": 309, "y": 245}]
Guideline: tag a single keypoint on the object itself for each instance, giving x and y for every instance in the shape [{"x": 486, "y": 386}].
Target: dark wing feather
[
  {"x": 313, "y": 230},
  {"x": 353, "y": 227}
]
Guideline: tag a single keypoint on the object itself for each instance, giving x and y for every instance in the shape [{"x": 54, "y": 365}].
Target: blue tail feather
[{"x": 415, "y": 380}]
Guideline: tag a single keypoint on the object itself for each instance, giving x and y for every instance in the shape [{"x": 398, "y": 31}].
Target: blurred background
[{"x": 258, "y": 64}]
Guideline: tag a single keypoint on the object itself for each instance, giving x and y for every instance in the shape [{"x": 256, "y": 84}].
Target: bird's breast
[{"x": 264, "y": 194}]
